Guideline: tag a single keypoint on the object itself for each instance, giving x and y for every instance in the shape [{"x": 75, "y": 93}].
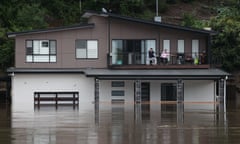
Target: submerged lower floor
[
  {"x": 156, "y": 90},
  {"x": 96, "y": 89}
]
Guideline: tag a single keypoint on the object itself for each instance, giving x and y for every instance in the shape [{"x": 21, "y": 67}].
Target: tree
[
  {"x": 62, "y": 12},
  {"x": 38, "y": 14},
  {"x": 226, "y": 44},
  {"x": 28, "y": 16},
  {"x": 190, "y": 20}
]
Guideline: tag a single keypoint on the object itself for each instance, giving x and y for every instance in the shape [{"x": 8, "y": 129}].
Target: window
[
  {"x": 168, "y": 92},
  {"x": 195, "y": 48},
  {"x": 180, "y": 47},
  {"x": 117, "y": 92},
  {"x": 41, "y": 51},
  {"x": 133, "y": 51},
  {"x": 118, "y": 83},
  {"x": 166, "y": 46},
  {"x": 87, "y": 49},
  {"x": 117, "y": 51}
]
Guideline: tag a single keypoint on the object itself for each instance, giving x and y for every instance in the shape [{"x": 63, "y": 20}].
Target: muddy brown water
[{"x": 104, "y": 123}]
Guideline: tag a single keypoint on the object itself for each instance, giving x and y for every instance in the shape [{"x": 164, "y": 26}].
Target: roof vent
[
  {"x": 158, "y": 19},
  {"x": 207, "y": 28}
]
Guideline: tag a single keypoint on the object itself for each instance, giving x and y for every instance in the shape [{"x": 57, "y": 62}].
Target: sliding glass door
[{"x": 129, "y": 52}]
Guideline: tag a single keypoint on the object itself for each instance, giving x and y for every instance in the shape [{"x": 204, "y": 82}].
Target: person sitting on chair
[{"x": 164, "y": 56}]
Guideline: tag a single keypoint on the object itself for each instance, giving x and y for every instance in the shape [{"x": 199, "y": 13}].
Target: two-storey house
[{"x": 107, "y": 60}]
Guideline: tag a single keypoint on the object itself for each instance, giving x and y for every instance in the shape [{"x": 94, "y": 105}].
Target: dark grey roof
[
  {"x": 157, "y": 74},
  {"x": 87, "y": 14},
  {"x": 62, "y": 28},
  {"x": 133, "y": 74},
  {"x": 111, "y": 15}
]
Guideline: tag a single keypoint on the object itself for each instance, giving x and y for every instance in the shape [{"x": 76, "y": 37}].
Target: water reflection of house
[
  {"x": 5, "y": 87},
  {"x": 107, "y": 60}
]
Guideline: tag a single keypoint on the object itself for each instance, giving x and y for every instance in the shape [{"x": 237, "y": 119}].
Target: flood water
[{"x": 106, "y": 123}]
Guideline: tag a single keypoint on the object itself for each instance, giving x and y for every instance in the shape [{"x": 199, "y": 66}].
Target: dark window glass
[
  {"x": 118, "y": 83},
  {"x": 52, "y": 47},
  {"x": 45, "y": 44},
  {"x": 81, "y": 44},
  {"x": 168, "y": 92},
  {"x": 117, "y": 92}
]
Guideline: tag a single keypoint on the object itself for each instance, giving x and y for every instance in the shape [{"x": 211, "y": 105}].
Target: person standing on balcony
[
  {"x": 151, "y": 56},
  {"x": 196, "y": 60},
  {"x": 164, "y": 56}
]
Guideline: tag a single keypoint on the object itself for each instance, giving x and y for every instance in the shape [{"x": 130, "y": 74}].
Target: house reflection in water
[
  {"x": 162, "y": 123},
  {"x": 106, "y": 123},
  {"x": 5, "y": 123}
]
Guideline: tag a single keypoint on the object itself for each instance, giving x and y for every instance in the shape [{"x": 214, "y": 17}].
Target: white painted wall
[
  {"x": 24, "y": 85},
  {"x": 154, "y": 90},
  {"x": 105, "y": 89},
  {"x": 194, "y": 90},
  {"x": 201, "y": 91}
]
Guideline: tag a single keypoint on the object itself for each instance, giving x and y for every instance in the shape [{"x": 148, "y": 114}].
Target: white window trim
[
  {"x": 39, "y": 53},
  {"x": 90, "y": 52}
]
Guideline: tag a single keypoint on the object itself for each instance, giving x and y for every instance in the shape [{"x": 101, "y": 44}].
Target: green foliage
[
  {"x": 62, "y": 12},
  {"x": 226, "y": 44},
  {"x": 24, "y": 15},
  {"x": 171, "y": 1},
  {"x": 131, "y": 8},
  {"x": 147, "y": 14},
  {"x": 6, "y": 54},
  {"x": 190, "y": 20},
  {"x": 187, "y": 1},
  {"x": 28, "y": 16},
  {"x": 162, "y": 7}
]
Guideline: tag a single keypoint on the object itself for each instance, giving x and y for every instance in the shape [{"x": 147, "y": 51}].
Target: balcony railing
[
  {"x": 173, "y": 60},
  {"x": 142, "y": 58}
]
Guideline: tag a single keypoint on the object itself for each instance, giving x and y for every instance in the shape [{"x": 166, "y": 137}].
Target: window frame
[
  {"x": 118, "y": 93},
  {"x": 118, "y": 83},
  {"x": 31, "y": 55},
  {"x": 87, "y": 49},
  {"x": 121, "y": 44}
]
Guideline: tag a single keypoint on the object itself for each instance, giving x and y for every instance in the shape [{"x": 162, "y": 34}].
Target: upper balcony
[{"x": 173, "y": 61}]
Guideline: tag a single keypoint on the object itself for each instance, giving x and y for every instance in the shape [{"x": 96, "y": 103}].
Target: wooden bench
[{"x": 58, "y": 97}]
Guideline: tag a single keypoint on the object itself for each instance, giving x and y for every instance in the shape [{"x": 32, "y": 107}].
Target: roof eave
[
  {"x": 128, "y": 74},
  {"x": 80, "y": 26},
  {"x": 44, "y": 70}
]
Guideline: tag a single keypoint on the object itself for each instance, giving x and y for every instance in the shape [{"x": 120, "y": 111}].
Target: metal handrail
[{"x": 130, "y": 58}]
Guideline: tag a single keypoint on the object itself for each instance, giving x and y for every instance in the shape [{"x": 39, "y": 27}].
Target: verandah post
[
  {"x": 180, "y": 90},
  {"x": 96, "y": 90},
  {"x": 138, "y": 91}
]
